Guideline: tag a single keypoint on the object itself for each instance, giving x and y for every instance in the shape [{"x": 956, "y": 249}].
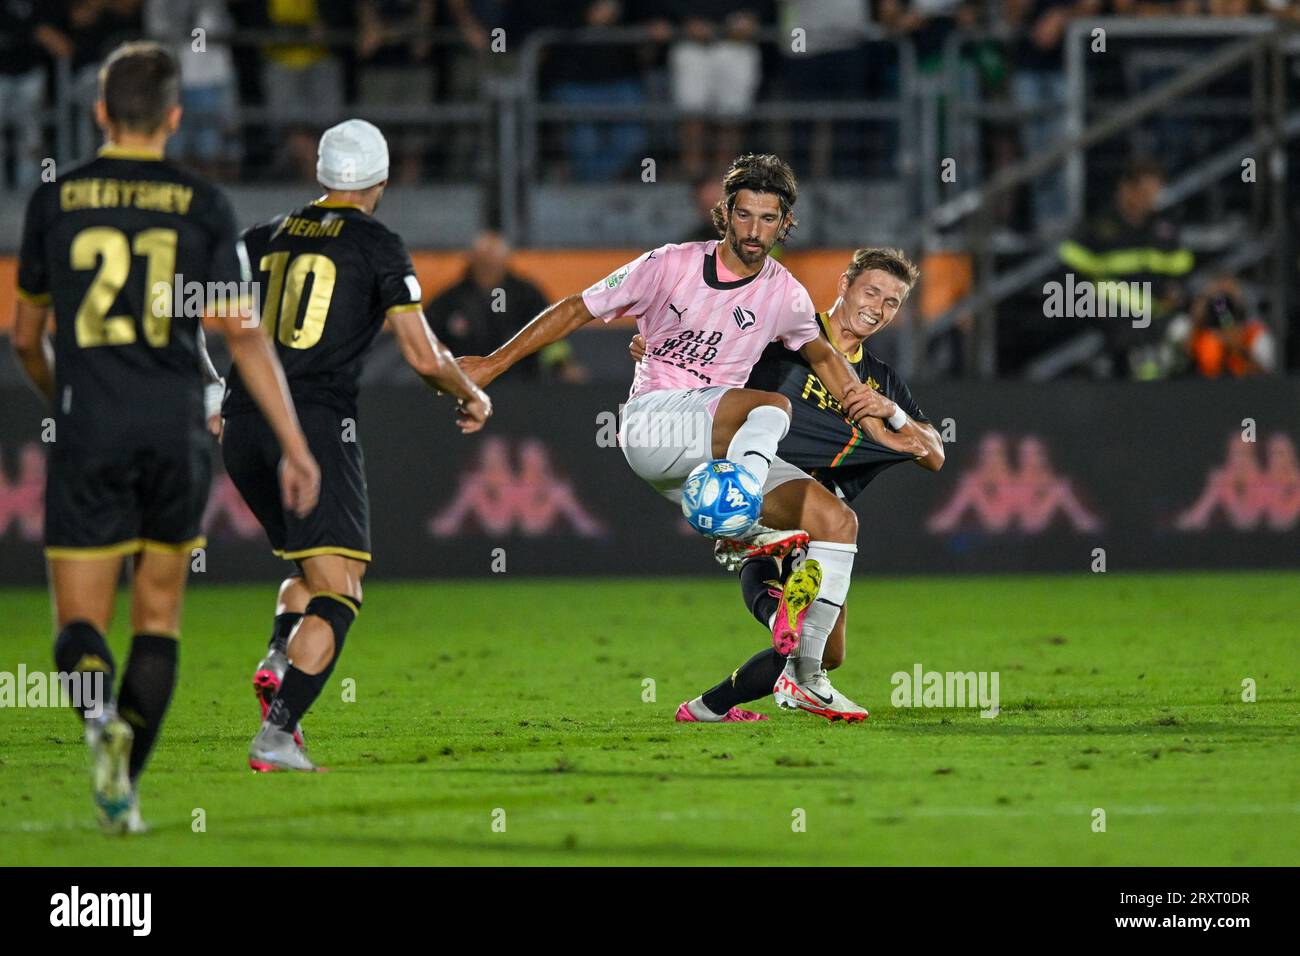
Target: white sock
[
  {"x": 754, "y": 444},
  {"x": 836, "y": 561},
  {"x": 701, "y": 711}
]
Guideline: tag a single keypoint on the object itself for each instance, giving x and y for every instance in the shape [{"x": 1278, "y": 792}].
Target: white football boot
[
  {"x": 758, "y": 541},
  {"x": 274, "y": 749},
  {"x": 816, "y": 696},
  {"x": 109, "y": 738}
]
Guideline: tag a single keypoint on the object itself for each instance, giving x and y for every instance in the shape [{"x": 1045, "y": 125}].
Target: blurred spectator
[
  {"x": 24, "y": 31},
  {"x": 489, "y": 305},
  {"x": 832, "y": 66},
  {"x": 207, "y": 139},
  {"x": 597, "y": 75},
  {"x": 1038, "y": 87},
  {"x": 1227, "y": 338},
  {"x": 706, "y": 192},
  {"x": 302, "y": 82},
  {"x": 1131, "y": 244},
  {"x": 470, "y": 70},
  {"x": 395, "y": 53},
  {"x": 87, "y": 30},
  {"x": 928, "y": 23},
  {"x": 715, "y": 69}
]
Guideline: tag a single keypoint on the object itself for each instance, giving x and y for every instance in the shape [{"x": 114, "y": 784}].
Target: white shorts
[
  {"x": 718, "y": 79},
  {"x": 664, "y": 434}
]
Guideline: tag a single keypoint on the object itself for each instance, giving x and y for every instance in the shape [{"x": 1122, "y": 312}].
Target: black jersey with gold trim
[
  {"x": 107, "y": 245},
  {"x": 329, "y": 273},
  {"x": 821, "y": 440}
]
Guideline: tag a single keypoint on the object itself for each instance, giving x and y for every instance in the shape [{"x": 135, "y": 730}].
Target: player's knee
[
  {"x": 777, "y": 400},
  {"x": 337, "y": 577},
  {"x": 835, "y": 521},
  {"x": 157, "y": 620}
]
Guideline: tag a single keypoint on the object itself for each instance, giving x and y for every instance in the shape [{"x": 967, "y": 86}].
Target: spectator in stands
[
  {"x": 489, "y": 305},
  {"x": 25, "y": 34},
  {"x": 831, "y": 66},
  {"x": 207, "y": 140},
  {"x": 928, "y": 23},
  {"x": 597, "y": 75},
  {"x": 91, "y": 28},
  {"x": 395, "y": 68},
  {"x": 715, "y": 68},
  {"x": 1128, "y": 244},
  {"x": 706, "y": 192},
  {"x": 1227, "y": 338},
  {"x": 469, "y": 70},
  {"x": 302, "y": 82},
  {"x": 1038, "y": 88}
]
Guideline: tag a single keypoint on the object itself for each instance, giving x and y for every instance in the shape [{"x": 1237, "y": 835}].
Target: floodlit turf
[{"x": 521, "y": 701}]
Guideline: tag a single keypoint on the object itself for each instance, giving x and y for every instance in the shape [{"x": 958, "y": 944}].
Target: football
[{"x": 721, "y": 499}]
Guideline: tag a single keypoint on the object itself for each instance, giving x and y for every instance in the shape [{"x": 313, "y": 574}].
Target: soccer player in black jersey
[
  {"x": 332, "y": 276},
  {"x": 843, "y": 455},
  {"x": 103, "y": 249}
]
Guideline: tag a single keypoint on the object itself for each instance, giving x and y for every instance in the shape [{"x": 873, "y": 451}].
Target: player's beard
[{"x": 746, "y": 256}]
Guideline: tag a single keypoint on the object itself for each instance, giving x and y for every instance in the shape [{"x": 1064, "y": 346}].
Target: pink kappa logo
[
  {"x": 22, "y": 501},
  {"x": 532, "y": 500},
  {"x": 1250, "y": 494},
  {"x": 1000, "y": 497}
]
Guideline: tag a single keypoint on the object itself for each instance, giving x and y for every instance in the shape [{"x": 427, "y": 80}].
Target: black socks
[
  {"x": 283, "y": 627},
  {"x": 299, "y": 690},
  {"x": 147, "y": 688},
  {"x": 753, "y": 680},
  {"x": 758, "y": 578},
  {"x": 80, "y": 648}
]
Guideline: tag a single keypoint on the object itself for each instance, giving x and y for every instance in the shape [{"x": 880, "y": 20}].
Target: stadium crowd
[
  {"x": 299, "y": 64},
  {"x": 262, "y": 78}
]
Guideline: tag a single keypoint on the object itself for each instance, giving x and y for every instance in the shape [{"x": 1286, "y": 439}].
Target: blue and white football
[{"x": 721, "y": 499}]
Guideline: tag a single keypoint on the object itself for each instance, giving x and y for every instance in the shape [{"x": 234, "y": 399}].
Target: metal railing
[
  {"x": 523, "y": 170},
  {"x": 510, "y": 112},
  {"x": 1256, "y": 42}
]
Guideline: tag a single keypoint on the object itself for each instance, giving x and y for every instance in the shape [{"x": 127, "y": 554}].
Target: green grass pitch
[{"x": 1122, "y": 693}]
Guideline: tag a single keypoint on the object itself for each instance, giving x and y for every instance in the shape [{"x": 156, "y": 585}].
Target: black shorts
[
  {"x": 340, "y": 522},
  {"x": 101, "y": 502}
]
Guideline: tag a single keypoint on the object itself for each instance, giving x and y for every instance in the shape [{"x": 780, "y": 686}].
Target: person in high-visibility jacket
[{"x": 1135, "y": 259}]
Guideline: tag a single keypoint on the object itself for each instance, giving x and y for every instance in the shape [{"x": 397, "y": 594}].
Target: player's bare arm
[
  {"x": 432, "y": 361},
  {"x": 553, "y": 324},
  {"x": 907, "y": 444},
  {"x": 261, "y": 372},
  {"x": 837, "y": 375},
  {"x": 928, "y": 436},
  {"x": 918, "y": 439},
  {"x": 33, "y": 347}
]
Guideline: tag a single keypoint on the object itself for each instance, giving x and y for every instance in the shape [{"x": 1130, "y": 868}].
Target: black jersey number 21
[{"x": 111, "y": 251}]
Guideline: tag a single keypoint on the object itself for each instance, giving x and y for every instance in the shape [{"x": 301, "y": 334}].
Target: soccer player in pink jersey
[{"x": 707, "y": 311}]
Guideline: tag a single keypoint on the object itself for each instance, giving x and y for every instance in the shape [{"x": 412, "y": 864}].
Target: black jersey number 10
[{"x": 284, "y": 296}]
